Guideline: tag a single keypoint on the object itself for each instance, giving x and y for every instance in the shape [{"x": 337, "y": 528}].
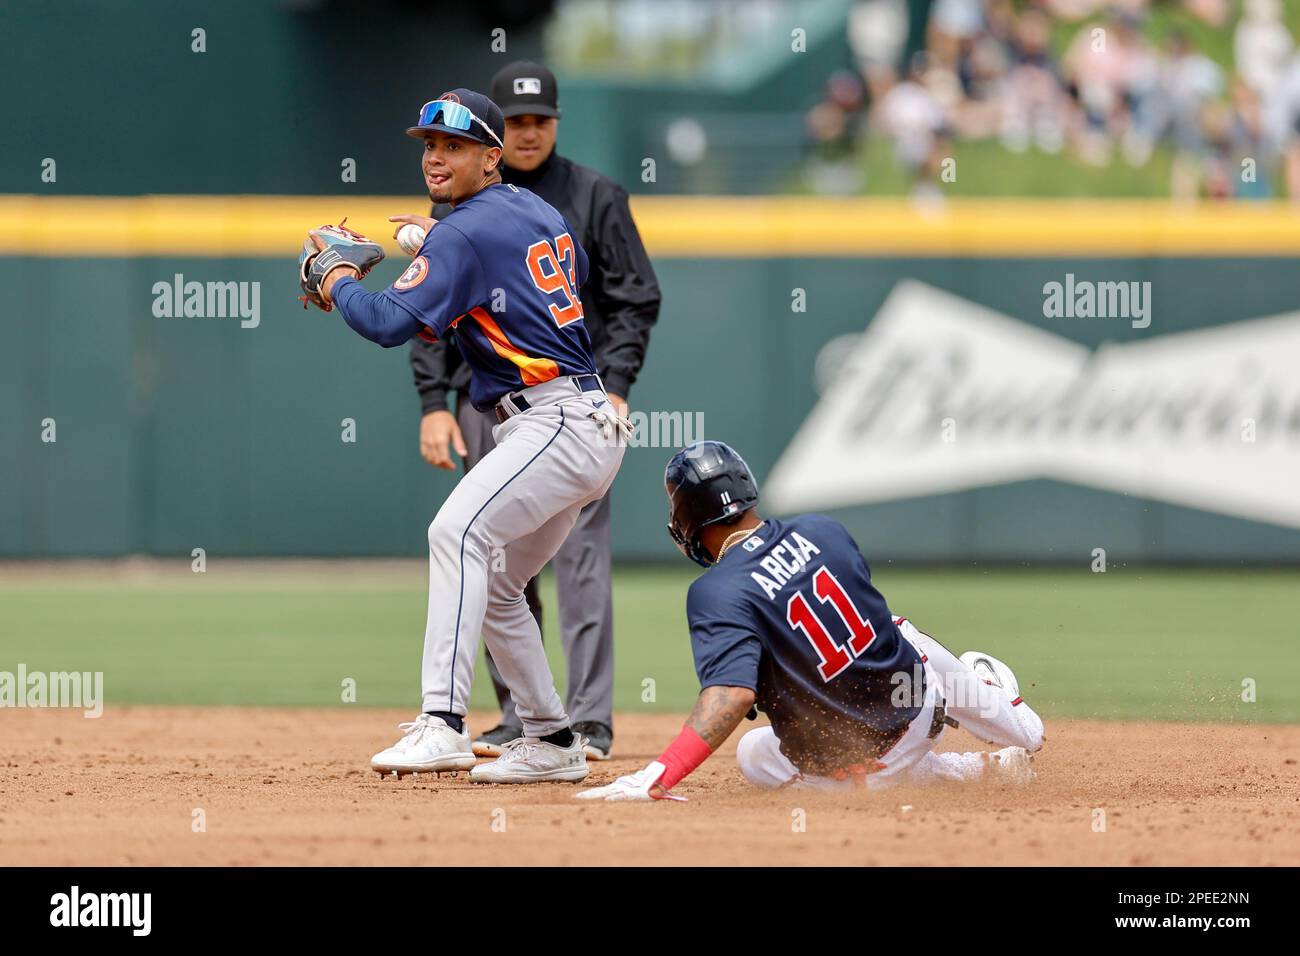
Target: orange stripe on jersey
[
  {"x": 428, "y": 335},
  {"x": 533, "y": 371}
]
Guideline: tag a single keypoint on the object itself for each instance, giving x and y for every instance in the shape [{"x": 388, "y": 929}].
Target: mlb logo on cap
[{"x": 525, "y": 88}]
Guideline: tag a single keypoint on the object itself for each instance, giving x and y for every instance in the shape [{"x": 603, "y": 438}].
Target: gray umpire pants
[{"x": 582, "y": 583}]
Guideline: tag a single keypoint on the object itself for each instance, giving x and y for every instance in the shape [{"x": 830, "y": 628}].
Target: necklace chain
[{"x": 736, "y": 536}]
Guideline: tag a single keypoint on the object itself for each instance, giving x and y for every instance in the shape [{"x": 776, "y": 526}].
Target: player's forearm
[
  {"x": 373, "y": 315},
  {"x": 719, "y": 711},
  {"x": 333, "y": 278}
]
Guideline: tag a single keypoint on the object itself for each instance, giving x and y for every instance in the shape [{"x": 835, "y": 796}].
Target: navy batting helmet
[{"x": 707, "y": 483}]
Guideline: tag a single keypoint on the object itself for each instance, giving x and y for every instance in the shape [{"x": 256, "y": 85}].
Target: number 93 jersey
[
  {"x": 790, "y": 612},
  {"x": 503, "y": 271}
]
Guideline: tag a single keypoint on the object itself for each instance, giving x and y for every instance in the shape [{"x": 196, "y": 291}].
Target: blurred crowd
[{"x": 989, "y": 70}]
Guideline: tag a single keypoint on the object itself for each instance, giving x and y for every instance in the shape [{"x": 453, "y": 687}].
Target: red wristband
[{"x": 683, "y": 755}]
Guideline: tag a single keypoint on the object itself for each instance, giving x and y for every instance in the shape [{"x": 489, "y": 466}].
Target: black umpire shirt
[{"x": 620, "y": 300}]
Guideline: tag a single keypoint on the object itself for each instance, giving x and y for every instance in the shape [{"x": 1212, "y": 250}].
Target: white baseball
[{"x": 410, "y": 238}]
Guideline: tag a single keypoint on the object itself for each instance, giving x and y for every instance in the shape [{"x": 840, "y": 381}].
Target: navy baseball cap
[{"x": 462, "y": 112}]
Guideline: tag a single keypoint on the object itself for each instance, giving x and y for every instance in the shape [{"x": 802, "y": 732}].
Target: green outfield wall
[{"x": 175, "y": 433}]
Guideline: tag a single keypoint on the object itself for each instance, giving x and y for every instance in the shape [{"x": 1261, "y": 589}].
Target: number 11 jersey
[{"x": 790, "y": 612}]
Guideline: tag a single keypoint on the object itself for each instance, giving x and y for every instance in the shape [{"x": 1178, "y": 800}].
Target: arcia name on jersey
[{"x": 783, "y": 563}]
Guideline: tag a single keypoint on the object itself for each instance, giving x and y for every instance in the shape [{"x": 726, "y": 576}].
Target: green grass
[
  {"x": 985, "y": 169},
  {"x": 1165, "y": 644}
]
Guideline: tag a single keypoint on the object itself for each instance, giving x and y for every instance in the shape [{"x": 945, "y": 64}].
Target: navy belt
[{"x": 584, "y": 383}]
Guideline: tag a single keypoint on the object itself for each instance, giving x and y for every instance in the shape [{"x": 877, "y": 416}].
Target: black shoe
[
  {"x": 600, "y": 738},
  {"x": 492, "y": 743}
]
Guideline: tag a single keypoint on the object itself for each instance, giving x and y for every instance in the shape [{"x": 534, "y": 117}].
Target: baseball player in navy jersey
[
  {"x": 501, "y": 273},
  {"x": 620, "y": 303},
  {"x": 786, "y": 620}
]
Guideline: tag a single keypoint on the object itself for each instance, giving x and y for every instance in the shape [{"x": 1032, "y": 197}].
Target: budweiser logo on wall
[{"x": 941, "y": 394}]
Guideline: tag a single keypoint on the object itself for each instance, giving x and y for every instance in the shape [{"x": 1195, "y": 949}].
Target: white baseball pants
[
  {"x": 505, "y": 519},
  {"x": 986, "y": 711}
]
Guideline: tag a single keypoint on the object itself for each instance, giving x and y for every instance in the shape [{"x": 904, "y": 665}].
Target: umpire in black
[{"x": 620, "y": 302}]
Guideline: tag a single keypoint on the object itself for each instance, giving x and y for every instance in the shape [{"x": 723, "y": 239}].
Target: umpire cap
[
  {"x": 707, "y": 483},
  {"x": 524, "y": 88}
]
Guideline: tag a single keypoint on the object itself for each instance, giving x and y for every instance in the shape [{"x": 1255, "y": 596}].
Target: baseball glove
[{"x": 343, "y": 247}]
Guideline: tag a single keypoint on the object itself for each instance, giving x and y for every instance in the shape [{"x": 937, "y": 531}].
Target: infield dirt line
[{"x": 178, "y": 786}]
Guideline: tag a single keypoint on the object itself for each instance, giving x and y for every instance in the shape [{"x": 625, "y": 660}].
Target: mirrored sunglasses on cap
[{"x": 454, "y": 116}]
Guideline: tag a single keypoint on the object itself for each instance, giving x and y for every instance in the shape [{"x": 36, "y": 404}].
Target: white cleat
[
  {"x": 993, "y": 671},
  {"x": 1012, "y": 766},
  {"x": 529, "y": 760},
  {"x": 429, "y": 746}
]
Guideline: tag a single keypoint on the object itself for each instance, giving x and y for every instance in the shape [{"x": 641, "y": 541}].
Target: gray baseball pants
[
  {"x": 585, "y": 596},
  {"x": 501, "y": 524}
]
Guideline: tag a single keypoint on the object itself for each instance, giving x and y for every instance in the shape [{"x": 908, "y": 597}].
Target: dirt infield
[{"x": 292, "y": 787}]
